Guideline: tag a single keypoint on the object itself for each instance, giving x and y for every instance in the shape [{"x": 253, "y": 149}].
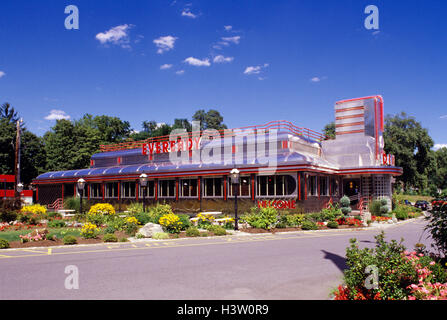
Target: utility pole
[{"x": 17, "y": 159}]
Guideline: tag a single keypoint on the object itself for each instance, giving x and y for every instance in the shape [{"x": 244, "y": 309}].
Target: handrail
[
  {"x": 56, "y": 205},
  {"x": 271, "y": 125}
]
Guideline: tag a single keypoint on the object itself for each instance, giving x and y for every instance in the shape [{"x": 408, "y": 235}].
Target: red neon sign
[
  {"x": 277, "y": 204},
  {"x": 171, "y": 146}
]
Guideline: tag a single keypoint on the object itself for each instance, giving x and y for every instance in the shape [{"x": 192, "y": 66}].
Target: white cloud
[
  {"x": 165, "y": 43},
  {"x": 2, "y": 74},
  {"x": 180, "y": 72},
  {"x": 197, "y": 62},
  {"x": 187, "y": 13},
  {"x": 234, "y": 39},
  {"x": 318, "y": 79},
  {"x": 255, "y": 69},
  {"x": 222, "y": 59},
  {"x": 228, "y": 28},
  {"x": 118, "y": 35},
  {"x": 57, "y": 115},
  {"x": 438, "y": 146},
  {"x": 165, "y": 66}
]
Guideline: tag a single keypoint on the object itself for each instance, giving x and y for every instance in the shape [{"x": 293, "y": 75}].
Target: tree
[
  {"x": 440, "y": 178},
  {"x": 410, "y": 143},
  {"x": 32, "y": 157},
  {"x": 109, "y": 129},
  {"x": 329, "y": 130},
  {"x": 209, "y": 120},
  {"x": 8, "y": 112}
]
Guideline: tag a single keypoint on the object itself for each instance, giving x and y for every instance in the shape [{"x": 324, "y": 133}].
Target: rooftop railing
[{"x": 280, "y": 125}]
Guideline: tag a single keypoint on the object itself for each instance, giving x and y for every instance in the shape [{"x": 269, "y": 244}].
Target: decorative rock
[{"x": 150, "y": 229}]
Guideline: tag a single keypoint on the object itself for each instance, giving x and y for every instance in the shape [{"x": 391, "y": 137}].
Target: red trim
[
  {"x": 176, "y": 189},
  {"x": 119, "y": 189},
  {"x": 350, "y": 109},
  {"x": 198, "y": 186},
  {"x": 37, "y": 193},
  {"x": 137, "y": 190},
  {"x": 88, "y": 191},
  {"x": 102, "y": 187},
  {"x": 349, "y": 132},
  {"x": 376, "y": 128},
  {"x": 63, "y": 192},
  {"x": 355, "y": 99},
  {"x": 156, "y": 189},
  {"x": 299, "y": 185},
  {"x": 349, "y": 124},
  {"x": 318, "y": 186},
  {"x": 360, "y": 115}
]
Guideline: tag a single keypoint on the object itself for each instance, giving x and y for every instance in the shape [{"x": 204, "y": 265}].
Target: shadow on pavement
[{"x": 339, "y": 261}]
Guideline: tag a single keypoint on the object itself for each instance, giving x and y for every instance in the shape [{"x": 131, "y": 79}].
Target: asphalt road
[{"x": 302, "y": 265}]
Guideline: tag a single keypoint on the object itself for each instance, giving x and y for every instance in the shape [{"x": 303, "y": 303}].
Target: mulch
[{"x": 59, "y": 242}]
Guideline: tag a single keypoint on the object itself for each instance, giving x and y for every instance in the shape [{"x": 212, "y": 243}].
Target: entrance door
[{"x": 351, "y": 188}]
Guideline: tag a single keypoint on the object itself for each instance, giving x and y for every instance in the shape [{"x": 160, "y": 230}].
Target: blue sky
[{"x": 254, "y": 61}]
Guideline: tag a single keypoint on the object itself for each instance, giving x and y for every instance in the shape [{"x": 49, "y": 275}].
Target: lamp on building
[
  {"x": 80, "y": 185},
  {"x": 234, "y": 174},
  {"x": 19, "y": 187},
  {"x": 143, "y": 183}
]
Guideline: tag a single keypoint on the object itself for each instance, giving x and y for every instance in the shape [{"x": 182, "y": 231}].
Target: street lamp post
[
  {"x": 143, "y": 183},
  {"x": 235, "y": 181},
  {"x": 81, "y": 185}
]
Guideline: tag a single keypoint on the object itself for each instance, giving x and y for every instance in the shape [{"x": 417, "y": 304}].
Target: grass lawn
[{"x": 58, "y": 232}]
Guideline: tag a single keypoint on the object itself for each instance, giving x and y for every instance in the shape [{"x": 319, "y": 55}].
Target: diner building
[{"x": 280, "y": 165}]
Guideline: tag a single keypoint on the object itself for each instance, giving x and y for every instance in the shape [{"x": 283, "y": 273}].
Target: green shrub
[
  {"x": 124, "y": 239},
  {"x": 135, "y": 208},
  {"x": 184, "y": 219},
  {"x": 69, "y": 240},
  {"x": 332, "y": 213},
  {"x": 437, "y": 226},
  {"x": 292, "y": 220},
  {"x": 143, "y": 217},
  {"x": 160, "y": 235},
  {"x": 217, "y": 230},
  {"x": 401, "y": 215},
  {"x": 345, "y": 207},
  {"x": 281, "y": 225},
  {"x": 8, "y": 216},
  {"x": 264, "y": 218},
  {"x": 394, "y": 270},
  {"x": 110, "y": 238},
  {"x": 374, "y": 208},
  {"x": 56, "y": 224},
  {"x": 75, "y": 204},
  {"x": 159, "y": 210},
  {"x": 109, "y": 230},
  {"x": 309, "y": 225},
  {"x": 315, "y": 216},
  {"x": 332, "y": 224},
  {"x": 192, "y": 232},
  {"x": 4, "y": 244}
]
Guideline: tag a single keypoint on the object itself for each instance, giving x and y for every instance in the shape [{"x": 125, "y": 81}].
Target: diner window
[
  {"x": 128, "y": 189},
  {"x": 324, "y": 186},
  {"x": 212, "y": 187},
  {"x": 280, "y": 185},
  {"x": 188, "y": 188},
  {"x": 244, "y": 187},
  {"x": 166, "y": 188},
  {"x": 95, "y": 190},
  {"x": 111, "y": 190},
  {"x": 312, "y": 186},
  {"x": 150, "y": 190}
]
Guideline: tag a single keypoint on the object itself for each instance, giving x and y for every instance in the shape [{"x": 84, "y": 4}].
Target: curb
[{"x": 236, "y": 233}]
